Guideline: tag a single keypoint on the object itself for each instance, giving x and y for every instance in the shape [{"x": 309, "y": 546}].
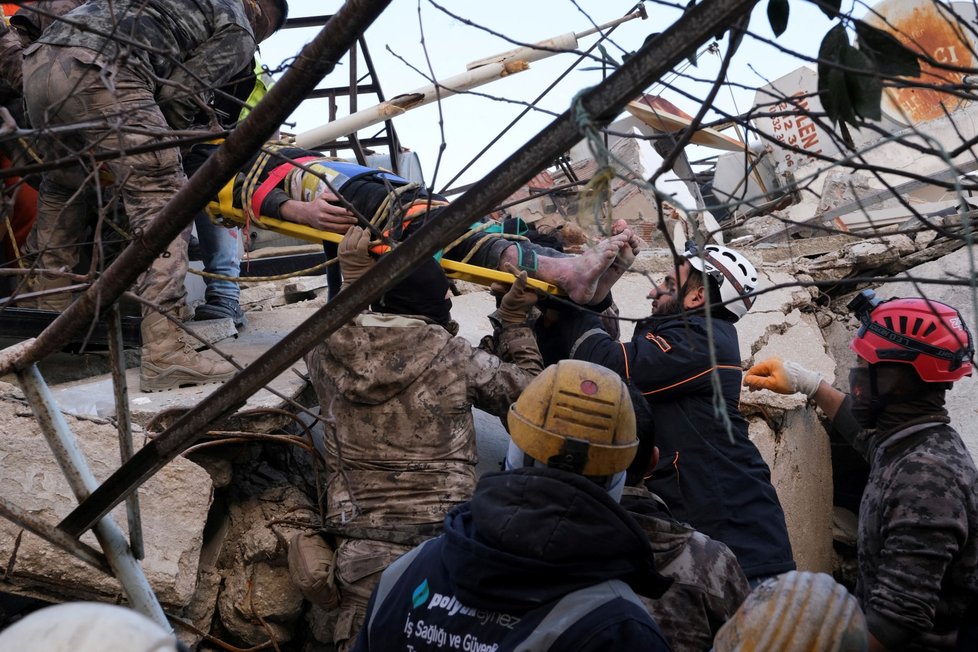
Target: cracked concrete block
[
  {"x": 305, "y": 284},
  {"x": 801, "y": 472},
  {"x": 877, "y": 252},
  {"x": 801, "y": 343},
  {"x": 173, "y": 504},
  {"x": 305, "y": 288},
  {"x": 755, "y": 328},
  {"x": 258, "y": 293},
  {"x": 211, "y": 330}
]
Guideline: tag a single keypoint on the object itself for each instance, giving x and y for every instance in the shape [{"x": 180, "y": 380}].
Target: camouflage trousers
[
  {"x": 67, "y": 85},
  {"x": 359, "y": 565}
]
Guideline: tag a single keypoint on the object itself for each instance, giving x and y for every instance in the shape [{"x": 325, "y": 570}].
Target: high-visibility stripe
[{"x": 694, "y": 377}]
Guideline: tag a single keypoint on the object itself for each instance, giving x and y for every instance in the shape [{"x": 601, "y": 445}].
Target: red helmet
[{"x": 929, "y": 335}]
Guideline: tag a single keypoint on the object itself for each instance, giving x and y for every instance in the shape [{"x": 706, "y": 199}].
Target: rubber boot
[{"x": 169, "y": 361}]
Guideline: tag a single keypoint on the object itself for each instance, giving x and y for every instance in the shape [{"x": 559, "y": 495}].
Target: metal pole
[
  {"x": 314, "y": 62},
  {"x": 54, "y": 536},
  {"x": 123, "y": 423},
  {"x": 79, "y": 476},
  {"x": 602, "y": 103}
]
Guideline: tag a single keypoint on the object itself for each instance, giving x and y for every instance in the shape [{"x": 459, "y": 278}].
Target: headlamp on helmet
[{"x": 929, "y": 335}]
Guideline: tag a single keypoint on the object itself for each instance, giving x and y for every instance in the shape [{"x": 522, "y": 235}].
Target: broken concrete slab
[
  {"x": 173, "y": 503},
  {"x": 94, "y": 396},
  {"x": 305, "y": 288},
  {"x": 801, "y": 472},
  {"x": 258, "y": 293},
  {"x": 803, "y": 344},
  {"x": 793, "y": 250},
  {"x": 211, "y": 331}
]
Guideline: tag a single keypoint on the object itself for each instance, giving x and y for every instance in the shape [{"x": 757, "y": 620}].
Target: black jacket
[
  {"x": 713, "y": 479},
  {"x": 507, "y": 561}
]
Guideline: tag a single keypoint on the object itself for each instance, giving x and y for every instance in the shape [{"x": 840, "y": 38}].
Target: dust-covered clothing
[
  {"x": 918, "y": 533},
  {"x": 707, "y": 583},
  {"x": 131, "y": 97},
  {"x": 25, "y": 26},
  {"x": 540, "y": 559},
  {"x": 401, "y": 452},
  {"x": 182, "y": 49}
]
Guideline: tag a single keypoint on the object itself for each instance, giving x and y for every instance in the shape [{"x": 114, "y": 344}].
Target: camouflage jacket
[
  {"x": 25, "y": 26},
  {"x": 708, "y": 583},
  {"x": 918, "y": 533},
  {"x": 398, "y": 395},
  {"x": 181, "y": 47}
]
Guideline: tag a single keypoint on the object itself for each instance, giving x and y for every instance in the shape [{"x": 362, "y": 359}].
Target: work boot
[
  {"x": 169, "y": 360},
  {"x": 51, "y": 302},
  {"x": 220, "y": 308}
]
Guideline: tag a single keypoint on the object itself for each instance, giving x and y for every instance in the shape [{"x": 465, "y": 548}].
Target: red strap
[{"x": 273, "y": 179}]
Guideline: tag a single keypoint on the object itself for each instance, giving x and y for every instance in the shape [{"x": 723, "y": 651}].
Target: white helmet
[
  {"x": 734, "y": 274},
  {"x": 87, "y": 627}
]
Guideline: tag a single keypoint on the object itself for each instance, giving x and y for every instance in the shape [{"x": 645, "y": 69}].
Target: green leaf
[
  {"x": 777, "y": 15},
  {"x": 832, "y": 90},
  {"x": 830, "y": 7},
  {"x": 865, "y": 88},
  {"x": 891, "y": 56}
]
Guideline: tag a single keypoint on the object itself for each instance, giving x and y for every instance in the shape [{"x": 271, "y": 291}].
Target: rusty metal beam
[
  {"x": 602, "y": 103},
  {"x": 314, "y": 62},
  {"x": 51, "y": 534}
]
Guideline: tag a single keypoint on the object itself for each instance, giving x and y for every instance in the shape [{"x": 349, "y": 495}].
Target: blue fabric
[
  {"x": 219, "y": 251},
  {"x": 528, "y": 538}
]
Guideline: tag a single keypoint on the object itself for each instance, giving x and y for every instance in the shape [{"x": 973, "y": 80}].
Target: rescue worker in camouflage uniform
[
  {"x": 542, "y": 558},
  {"x": 135, "y": 88},
  {"x": 708, "y": 585},
  {"x": 25, "y": 26},
  {"x": 918, "y": 520},
  {"x": 397, "y": 389}
]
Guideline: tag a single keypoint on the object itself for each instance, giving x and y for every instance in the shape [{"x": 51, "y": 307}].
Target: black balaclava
[
  {"x": 422, "y": 293},
  {"x": 890, "y": 396}
]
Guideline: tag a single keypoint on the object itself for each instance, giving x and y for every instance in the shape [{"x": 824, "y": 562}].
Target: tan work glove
[
  {"x": 354, "y": 254},
  {"x": 518, "y": 300},
  {"x": 782, "y": 377}
]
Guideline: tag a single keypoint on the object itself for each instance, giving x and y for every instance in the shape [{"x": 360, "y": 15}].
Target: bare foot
[
  {"x": 579, "y": 276},
  {"x": 631, "y": 245}
]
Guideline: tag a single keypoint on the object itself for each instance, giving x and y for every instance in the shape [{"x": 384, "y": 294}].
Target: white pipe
[
  {"x": 477, "y": 73},
  {"x": 397, "y": 105}
]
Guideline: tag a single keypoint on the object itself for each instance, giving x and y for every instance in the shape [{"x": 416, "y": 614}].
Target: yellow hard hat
[
  {"x": 576, "y": 416},
  {"x": 796, "y": 611}
]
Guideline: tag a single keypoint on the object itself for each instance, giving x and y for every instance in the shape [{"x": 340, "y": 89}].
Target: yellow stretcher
[{"x": 224, "y": 208}]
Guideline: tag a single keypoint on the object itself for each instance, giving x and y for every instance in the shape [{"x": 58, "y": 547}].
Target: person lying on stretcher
[{"x": 300, "y": 185}]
